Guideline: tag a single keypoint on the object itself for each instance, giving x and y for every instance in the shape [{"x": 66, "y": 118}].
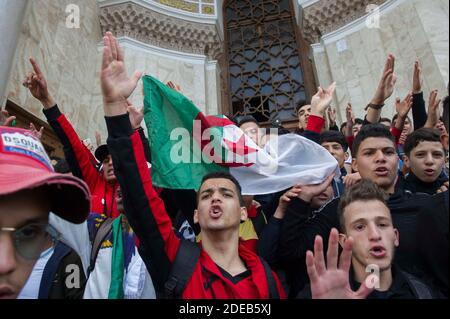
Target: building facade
[{"x": 260, "y": 57}]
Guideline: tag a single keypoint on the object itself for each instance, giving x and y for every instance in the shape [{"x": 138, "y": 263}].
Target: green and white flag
[{"x": 186, "y": 145}]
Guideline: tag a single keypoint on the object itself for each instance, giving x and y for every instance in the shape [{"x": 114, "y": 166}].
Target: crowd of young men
[{"x": 383, "y": 221}]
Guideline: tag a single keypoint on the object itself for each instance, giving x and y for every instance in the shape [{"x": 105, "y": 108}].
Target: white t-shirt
[
  {"x": 137, "y": 283},
  {"x": 31, "y": 288}
]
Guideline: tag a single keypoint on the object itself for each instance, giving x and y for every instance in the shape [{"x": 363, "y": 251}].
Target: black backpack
[{"x": 183, "y": 267}]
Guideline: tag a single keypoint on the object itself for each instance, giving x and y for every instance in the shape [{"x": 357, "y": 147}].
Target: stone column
[{"x": 11, "y": 17}]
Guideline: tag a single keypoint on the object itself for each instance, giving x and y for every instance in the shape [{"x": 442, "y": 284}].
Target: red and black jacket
[
  {"x": 158, "y": 243},
  {"x": 83, "y": 164}
]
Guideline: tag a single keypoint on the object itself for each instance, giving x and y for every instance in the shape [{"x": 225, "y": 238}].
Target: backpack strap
[
  {"x": 421, "y": 290},
  {"x": 61, "y": 250},
  {"x": 100, "y": 236},
  {"x": 273, "y": 289},
  {"x": 183, "y": 267}
]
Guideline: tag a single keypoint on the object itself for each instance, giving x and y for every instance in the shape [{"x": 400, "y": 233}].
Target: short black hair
[
  {"x": 364, "y": 190},
  {"x": 342, "y": 126},
  {"x": 371, "y": 130},
  {"x": 62, "y": 166},
  {"x": 359, "y": 121},
  {"x": 240, "y": 120},
  {"x": 385, "y": 119},
  {"x": 421, "y": 135},
  {"x": 299, "y": 106},
  {"x": 334, "y": 136},
  {"x": 226, "y": 176}
]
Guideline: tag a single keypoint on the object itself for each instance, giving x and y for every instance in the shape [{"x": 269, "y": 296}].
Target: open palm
[
  {"x": 116, "y": 85},
  {"x": 328, "y": 280},
  {"x": 403, "y": 107},
  {"x": 322, "y": 99}
]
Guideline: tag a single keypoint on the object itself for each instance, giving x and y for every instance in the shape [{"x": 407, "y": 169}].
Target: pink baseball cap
[{"x": 24, "y": 164}]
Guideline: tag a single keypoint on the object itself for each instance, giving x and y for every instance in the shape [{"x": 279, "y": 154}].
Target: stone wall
[
  {"x": 68, "y": 57},
  {"x": 354, "y": 55}
]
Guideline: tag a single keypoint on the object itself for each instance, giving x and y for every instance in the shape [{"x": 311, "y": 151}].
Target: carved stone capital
[
  {"x": 326, "y": 16},
  {"x": 164, "y": 31}
]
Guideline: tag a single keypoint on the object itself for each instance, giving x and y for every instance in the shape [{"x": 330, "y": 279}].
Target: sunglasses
[{"x": 31, "y": 240}]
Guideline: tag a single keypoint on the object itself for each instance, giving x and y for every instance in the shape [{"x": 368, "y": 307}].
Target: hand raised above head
[
  {"x": 136, "y": 115},
  {"x": 116, "y": 85},
  {"x": 387, "y": 82},
  {"x": 433, "y": 109},
  {"x": 417, "y": 78},
  {"x": 403, "y": 107},
  {"x": 35, "y": 82},
  {"x": 322, "y": 99}
]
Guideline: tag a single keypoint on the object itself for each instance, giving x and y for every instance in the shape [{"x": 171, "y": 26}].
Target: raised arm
[
  {"x": 319, "y": 104},
  {"x": 144, "y": 209},
  {"x": 77, "y": 155},
  {"x": 433, "y": 110},
  {"x": 384, "y": 91},
  {"x": 419, "y": 111},
  {"x": 402, "y": 108}
]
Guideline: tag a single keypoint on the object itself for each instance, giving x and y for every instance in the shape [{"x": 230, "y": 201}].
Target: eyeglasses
[{"x": 30, "y": 240}]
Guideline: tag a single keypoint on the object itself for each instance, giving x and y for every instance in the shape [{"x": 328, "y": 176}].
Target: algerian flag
[
  {"x": 117, "y": 261},
  {"x": 186, "y": 145}
]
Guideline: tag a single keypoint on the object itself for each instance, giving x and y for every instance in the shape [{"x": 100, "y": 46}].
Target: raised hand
[
  {"x": 307, "y": 192},
  {"x": 403, "y": 107},
  {"x": 322, "y": 99},
  {"x": 417, "y": 78},
  {"x": 5, "y": 119},
  {"x": 330, "y": 280},
  {"x": 37, "y": 133},
  {"x": 433, "y": 110},
  {"x": 331, "y": 111},
  {"x": 115, "y": 83},
  {"x": 285, "y": 200},
  {"x": 350, "y": 118},
  {"x": 387, "y": 82},
  {"x": 36, "y": 83},
  {"x": 98, "y": 138},
  {"x": 136, "y": 115}
]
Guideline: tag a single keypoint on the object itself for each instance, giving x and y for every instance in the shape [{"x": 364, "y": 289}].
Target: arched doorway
[{"x": 269, "y": 73}]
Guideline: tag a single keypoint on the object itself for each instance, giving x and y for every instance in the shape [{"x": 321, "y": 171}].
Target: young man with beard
[
  {"x": 425, "y": 158},
  {"x": 375, "y": 158}
]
